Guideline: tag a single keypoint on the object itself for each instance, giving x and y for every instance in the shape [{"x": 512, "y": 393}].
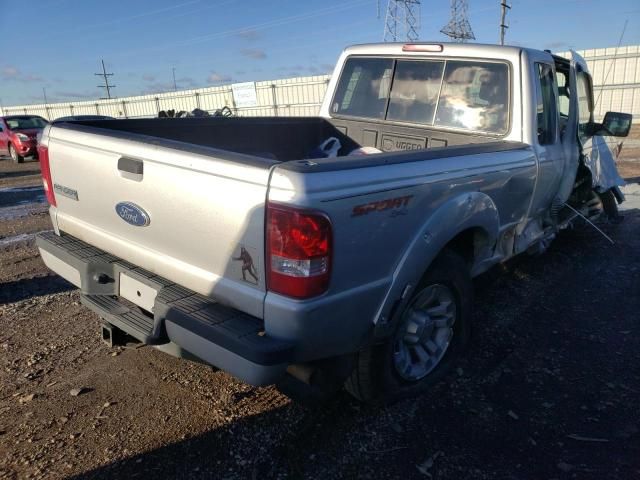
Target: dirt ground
[
  {"x": 548, "y": 390},
  {"x": 629, "y": 146}
]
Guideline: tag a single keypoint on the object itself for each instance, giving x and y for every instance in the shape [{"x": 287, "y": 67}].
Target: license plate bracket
[{"x": 137, "y": 292}]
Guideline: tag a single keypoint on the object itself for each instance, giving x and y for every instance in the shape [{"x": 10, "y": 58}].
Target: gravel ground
[{"x": 548, "y": 390}]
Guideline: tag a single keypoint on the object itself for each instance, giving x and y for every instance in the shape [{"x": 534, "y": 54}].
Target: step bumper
[{"x": 219, "y": 335}]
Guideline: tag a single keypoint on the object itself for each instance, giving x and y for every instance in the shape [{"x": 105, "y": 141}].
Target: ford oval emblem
[{"x": 132, "y": 214}]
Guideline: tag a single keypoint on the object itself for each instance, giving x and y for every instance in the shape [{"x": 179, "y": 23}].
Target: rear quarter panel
[{"x": 381, "y": 216}]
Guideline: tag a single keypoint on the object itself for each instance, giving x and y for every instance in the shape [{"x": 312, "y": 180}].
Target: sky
[{"x": 58, "y": 44}]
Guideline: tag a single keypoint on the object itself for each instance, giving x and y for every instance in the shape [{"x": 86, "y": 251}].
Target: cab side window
[
  {"x": 563, "y": 93},
  {"x": 546, "y": 104},
  {"x": 585, "y": 103}
]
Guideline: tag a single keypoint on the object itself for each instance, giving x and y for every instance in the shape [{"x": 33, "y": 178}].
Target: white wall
[
  {"x": 616, "y": 78},
  {"x": 291, "y": 97}
]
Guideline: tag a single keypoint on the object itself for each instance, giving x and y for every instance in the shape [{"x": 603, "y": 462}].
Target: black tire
[
  {"x": 610, "y": 206},
  {"x": 14, "y": 155},
  {"x": 375, "y": 377}
]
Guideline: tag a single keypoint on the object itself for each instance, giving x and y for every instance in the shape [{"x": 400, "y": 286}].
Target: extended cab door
[
  {"x": 546, "y": 140},
  {"x": 594, "y": 152}
]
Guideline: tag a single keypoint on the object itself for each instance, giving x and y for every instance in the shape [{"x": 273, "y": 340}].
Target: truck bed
[
  {"x": 274, "y": 138},
  {"x": 198, "y": 188},
  {"x": 280, "y": 138}
]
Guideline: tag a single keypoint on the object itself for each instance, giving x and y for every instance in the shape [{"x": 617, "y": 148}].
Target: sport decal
[{"x": 381, "y": 205}]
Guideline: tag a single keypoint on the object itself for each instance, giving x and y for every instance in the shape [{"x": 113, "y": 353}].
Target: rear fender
[{"x": 466, "y": 211}]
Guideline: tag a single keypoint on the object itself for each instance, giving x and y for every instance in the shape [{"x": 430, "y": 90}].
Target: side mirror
[{"x": 614, "y": 125}]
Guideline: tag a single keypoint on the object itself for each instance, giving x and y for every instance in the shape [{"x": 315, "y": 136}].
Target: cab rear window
[
  {"x": 461, "y": 94},
  {"x": 364, "y": 87}
]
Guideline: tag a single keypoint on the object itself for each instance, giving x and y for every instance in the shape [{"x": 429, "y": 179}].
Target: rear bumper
[{"x": 221, "y": 336}]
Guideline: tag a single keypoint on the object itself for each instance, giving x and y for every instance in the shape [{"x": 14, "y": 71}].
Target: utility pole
[
  {"x": 106, "y": 81},
  {"x": 403, "y": 15},
  {"x": 503, "y": 25},
  {"x": 175, "y": 87},
  {"x": 459, "y": 28},
  {"x": 46, "y": 109}
]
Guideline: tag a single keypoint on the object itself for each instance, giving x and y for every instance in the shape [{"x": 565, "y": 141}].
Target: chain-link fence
[{"x": 299, "y": 96}]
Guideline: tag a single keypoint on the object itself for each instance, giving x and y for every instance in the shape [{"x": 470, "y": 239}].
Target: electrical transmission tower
[
  {"x": 402, "y": 21},
  {"x": 459, "y": 28},
  {"x": 503, "y": 25},
  {"x": 106, "y": 81}
]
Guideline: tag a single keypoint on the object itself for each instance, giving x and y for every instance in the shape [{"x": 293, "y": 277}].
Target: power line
[
  {"x": 403, "y": 15},
  {"x": 106, "y": 81},
  {"x": 606, "y": 77},
  {"x": 503, "y": 25},
  {"x": 333, "y": 10},
  {"x": 459, "y": 28}
]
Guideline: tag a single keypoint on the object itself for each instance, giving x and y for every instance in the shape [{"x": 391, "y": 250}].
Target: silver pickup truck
[{"x": 239, "y": 243}]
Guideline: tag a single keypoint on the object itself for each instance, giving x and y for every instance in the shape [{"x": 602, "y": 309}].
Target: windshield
[{"x": 25, "y": 123}]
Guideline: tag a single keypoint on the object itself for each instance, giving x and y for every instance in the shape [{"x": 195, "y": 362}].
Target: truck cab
[{"x": 428, "y": 95}]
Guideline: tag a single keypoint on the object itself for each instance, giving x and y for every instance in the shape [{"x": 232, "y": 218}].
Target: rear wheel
[
  {"x": 430, "y": 335},
  {"x": 14, "y": 154}
]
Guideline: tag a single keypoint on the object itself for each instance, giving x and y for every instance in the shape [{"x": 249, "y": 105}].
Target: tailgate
[{"x": 194, "y": 215}]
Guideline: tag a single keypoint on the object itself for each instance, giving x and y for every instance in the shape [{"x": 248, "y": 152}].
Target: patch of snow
[
  {"x": 632, "y": 197},
  {"x": 20, "y": 238},
  {"x": 22, "y": 210},
  {"x": 31, "y": 188}
]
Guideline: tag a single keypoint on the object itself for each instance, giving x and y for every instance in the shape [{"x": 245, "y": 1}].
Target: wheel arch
[
  {"x": 467, "y": 224},
  {"x": 470, "y": 243}
]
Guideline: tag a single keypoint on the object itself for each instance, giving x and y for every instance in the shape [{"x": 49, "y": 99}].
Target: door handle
[{"x": 131, "y": 165}]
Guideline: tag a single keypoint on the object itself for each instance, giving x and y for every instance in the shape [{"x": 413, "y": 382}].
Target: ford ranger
[{"x": 235, "y": 242}]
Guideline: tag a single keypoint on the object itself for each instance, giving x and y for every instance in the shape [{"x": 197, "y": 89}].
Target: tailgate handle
[{"x": 131, "y": 165}]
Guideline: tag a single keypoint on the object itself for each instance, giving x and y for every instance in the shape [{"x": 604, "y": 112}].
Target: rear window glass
[
  {"x": 474, "y": 96},
  {"x": 364, "y": 88},
  {"x": 415, "y": 89},
  {"x": 465, "y": 94}
]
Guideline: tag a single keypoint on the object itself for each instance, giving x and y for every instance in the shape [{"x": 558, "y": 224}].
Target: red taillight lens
[
  {"x": 298, "y": 251},
  {"x": 43, "y": 156}
]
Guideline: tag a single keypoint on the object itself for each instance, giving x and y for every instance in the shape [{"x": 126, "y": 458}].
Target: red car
[{"x": 18, "y": 135}]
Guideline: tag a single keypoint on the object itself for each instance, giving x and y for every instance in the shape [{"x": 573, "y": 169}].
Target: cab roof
[{"x": 445, "y": 49}]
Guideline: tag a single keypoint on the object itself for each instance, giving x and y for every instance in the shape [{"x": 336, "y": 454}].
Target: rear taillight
[
  {"x": 298, "y": 251},
  {"x": 45, "y": 170}
]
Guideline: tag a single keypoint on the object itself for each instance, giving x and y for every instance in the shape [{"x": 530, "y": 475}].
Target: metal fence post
[
  {"x": 97, "y": 109},
  {"x": 124, "y": 109},
  {"x": 157, "y": 106},
  {"x": 233, "y": 102},
  {"x": 197, "y": 95},
  {"x": 275, "y": 99}
]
